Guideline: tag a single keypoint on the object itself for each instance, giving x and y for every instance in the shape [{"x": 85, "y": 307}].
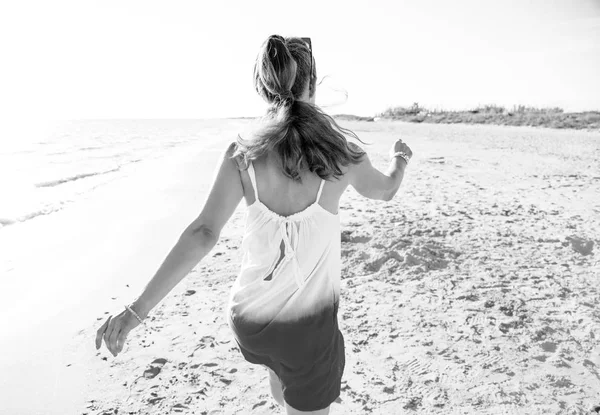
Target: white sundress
[{"x": 283, "y": 305}]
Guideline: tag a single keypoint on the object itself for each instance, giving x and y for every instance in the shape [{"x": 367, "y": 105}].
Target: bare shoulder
[
  {"x": 353, "y": 168},
  {"x": 239, "y": 159}
]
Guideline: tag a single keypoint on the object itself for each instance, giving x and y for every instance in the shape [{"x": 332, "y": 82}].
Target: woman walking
[{"x": 292, "y": 172}]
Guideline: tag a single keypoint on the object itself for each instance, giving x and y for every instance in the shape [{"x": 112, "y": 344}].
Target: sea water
[{"x": 42, "y": 175}]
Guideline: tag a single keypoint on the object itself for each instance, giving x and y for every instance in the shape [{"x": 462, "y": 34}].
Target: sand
[{"x": 474, "y": 291}]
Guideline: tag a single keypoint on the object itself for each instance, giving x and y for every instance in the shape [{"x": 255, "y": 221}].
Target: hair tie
[{"x": 284, "y": 98}]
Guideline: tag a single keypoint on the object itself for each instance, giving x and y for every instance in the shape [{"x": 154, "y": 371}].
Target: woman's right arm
[{"x": 371, "y": 183}]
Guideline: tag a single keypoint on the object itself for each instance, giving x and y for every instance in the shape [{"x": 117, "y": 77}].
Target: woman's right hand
[
  {"x": 114, "y": 331},
  {"x": 399, "y": 145}
]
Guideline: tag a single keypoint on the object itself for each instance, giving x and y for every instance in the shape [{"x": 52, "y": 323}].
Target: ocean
[{"x": 44, "y": 175}]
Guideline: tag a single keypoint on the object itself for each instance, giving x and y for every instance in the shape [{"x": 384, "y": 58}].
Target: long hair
[{"x": 300, "y": 133}]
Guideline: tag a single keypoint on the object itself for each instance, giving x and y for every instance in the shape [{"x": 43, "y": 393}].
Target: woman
[{"x": 284, "y": 303}]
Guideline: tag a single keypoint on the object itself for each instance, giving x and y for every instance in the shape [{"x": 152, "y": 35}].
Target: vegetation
[
  {"x": 493, "y": 114},
  {"x": 350, "y": 117}
]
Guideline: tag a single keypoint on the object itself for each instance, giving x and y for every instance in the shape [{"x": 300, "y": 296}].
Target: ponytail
[
  {"x": 275, "y": 71},
  {"x": 299, "y": 132}
]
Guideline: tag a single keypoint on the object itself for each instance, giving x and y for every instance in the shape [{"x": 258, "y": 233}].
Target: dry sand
[{"x": 474, "y": 291}]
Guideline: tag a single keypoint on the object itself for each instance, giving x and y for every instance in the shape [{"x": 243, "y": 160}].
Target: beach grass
[{"x": 518, "y": 115}]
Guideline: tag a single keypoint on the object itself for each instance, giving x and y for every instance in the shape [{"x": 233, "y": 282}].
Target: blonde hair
[{"x": 299, "y": 132}]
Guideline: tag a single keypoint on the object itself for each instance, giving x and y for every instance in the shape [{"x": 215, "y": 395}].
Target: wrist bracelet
[
  {"x": 403, "y": 155},
  {"x": 134, "y": 314}
]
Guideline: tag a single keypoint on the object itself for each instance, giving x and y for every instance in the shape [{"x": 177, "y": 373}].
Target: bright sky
[{"x": 194, "y": 59}]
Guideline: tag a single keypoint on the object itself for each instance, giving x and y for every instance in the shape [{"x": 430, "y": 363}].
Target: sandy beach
[{"x": 474, "y": 291}]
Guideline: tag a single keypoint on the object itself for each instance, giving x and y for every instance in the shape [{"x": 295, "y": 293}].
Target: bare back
[{"x": 284, "y": 196}]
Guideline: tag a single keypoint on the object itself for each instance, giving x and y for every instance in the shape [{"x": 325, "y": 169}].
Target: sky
[{"x": 193, "y": 59}]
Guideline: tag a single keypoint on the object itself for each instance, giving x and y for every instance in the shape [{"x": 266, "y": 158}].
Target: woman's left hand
[{"x": 115, "y": 330}]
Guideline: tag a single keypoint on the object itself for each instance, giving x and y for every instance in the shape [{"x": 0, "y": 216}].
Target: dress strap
[
  {"x": 320, "y": 190},
  {"x": 252, "y": 175}
]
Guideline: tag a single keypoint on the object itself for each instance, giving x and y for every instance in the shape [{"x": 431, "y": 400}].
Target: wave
[
  {"x": 53, "y": 183},
  {"x": 63, "y": 202},
  {"x": 44, "y": 211}
]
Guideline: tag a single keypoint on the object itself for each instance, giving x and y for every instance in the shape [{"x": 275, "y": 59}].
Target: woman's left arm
[{"x": 198, "y": 239}]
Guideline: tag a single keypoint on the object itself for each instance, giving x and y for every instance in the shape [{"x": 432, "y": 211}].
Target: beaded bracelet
[
  {"x": 403, "y": 155},
  {"x": 134, "y": 314}
]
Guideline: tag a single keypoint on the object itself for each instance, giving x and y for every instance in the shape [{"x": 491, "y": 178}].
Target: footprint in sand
[
  {"x": 154, "y": 368},
  {"x": 417, "y": 367},
  {"x": 484, "y": 367},
  {"x": 477, "y": 322}
]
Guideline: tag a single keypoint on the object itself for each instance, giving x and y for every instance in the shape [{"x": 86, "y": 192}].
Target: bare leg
[{"x": 276, "y": 387}]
